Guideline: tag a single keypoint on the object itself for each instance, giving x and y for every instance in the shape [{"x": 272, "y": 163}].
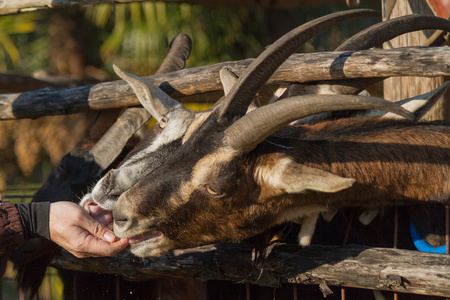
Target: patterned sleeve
[{"x": 11, "y": 232}]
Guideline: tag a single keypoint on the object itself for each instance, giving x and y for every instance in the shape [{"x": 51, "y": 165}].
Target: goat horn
[
  {"x": 250, "y": 130},
  {"x": 260, "y": 70},
  {"x": 111, "y": 144},
  {"x": 180, "y": 49},
  {"x": 382, "y": 32},
  {"x": 373, "y": 36}
]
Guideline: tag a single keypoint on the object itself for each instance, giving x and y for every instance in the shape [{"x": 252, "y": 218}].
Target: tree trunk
[{"x": 67, "y": 50}]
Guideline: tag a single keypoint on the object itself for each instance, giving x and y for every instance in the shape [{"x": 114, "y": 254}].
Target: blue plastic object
[{"x": 421, "y": 245}]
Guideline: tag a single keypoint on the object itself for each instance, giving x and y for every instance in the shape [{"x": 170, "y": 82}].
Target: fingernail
[{"x": 109, "y": 236}]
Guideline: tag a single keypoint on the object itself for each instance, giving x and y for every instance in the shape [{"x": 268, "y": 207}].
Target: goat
[
  {"x": 226, "y": 161},
  {"x": 80, "y": 168},
  {"x": 109, "y": 188},
  {"x": 176, "y": 120}
]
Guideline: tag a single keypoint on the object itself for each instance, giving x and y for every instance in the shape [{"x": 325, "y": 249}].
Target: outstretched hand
[{"x": 75, "y": 230}]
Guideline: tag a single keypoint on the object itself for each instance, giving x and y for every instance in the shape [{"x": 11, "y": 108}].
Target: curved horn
[
  {"x": 247, "y": 132},
  {"x": 268, "y": 61},
  {"x": 382, "y": 32},
  {"x": 180, "y": 49},
  {"x": 111, "y": 144},
  {"x": 373, "y": 36}
]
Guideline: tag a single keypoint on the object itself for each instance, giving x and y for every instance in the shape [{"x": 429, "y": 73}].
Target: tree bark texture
[
  {"x": 194, "y": 83},
  {"x": 350, "y": 266}
]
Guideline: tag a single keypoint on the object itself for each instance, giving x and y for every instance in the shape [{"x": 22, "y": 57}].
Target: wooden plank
[
  {"x": 428, "y": 62},
  {"x": 350, "y": 266}
]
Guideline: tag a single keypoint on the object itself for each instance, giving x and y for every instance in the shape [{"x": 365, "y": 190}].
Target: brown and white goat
[
  {"x": 175, "y": 119},
  {"x": 81, "y": 167},
  {"x": 234, "y": 177}
]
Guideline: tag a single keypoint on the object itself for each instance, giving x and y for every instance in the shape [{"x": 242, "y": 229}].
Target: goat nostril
[
  {"x": 107, "y": 178},
  {"x": 121, "y": 220},
  {"x": 121, "y": 223}
]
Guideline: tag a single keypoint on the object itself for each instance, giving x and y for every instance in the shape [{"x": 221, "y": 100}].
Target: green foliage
[
  {"x": 140, "y": 33},
  {"x": 11, "y": 26},
  {"x": 136, "y": 36}
]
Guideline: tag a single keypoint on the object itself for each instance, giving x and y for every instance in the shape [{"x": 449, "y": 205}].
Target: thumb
[
  {"x": 109, "y": 236},
  {"x": 104, "y": 233},
  {"x": 98, "y": 229}
]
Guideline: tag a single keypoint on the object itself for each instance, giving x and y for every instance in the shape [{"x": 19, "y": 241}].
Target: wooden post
[{"x": 396, "y": 88}]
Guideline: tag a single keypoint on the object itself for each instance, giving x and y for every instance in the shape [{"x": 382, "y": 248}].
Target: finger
[
  {"x": 97, "y": 247},
  {"x": 97, "y": 229},
  {"x": 105, "y": 218},
  {"x": 95, "y": 209}
]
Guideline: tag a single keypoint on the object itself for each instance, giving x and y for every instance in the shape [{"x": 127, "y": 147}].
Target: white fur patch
[{"x": 136, "y": 166}]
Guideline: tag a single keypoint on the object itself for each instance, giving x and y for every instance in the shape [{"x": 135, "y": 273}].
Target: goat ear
[
  {"x": 152, "y": 98},
  {"x": 228, "y": 79},
  {"x": 292, "y": 177}
]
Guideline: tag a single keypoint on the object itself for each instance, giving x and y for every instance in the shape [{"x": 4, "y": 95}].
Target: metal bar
[
  {"x": 447, "y": 228},
  {"x": 447, "y": 231},
  {"x": 396, "y": 238},
  {"x": 117, "y": 287},
  {"x": 346, "y": 236},
  {"x": 396, "y": 228},
  {"x": 75, "y": 286},
  {"x": 295, "y": 292},
  {"x": 347, "y": 231}
]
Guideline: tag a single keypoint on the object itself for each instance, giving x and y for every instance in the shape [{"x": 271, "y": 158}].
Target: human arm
[{"x": 65, "y": 223}]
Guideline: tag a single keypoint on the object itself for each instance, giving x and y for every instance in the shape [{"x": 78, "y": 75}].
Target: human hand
[
  {"x": 75, "y": 230},
  {"x": 99, "y": 214}
]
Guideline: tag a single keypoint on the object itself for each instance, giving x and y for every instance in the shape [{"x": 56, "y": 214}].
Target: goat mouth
[{"x": 146, "y": 237}]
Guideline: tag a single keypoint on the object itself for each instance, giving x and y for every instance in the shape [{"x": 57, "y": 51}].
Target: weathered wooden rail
[
  {"x": 190, "y": 84},
  {"x": 346, "y": 266}
]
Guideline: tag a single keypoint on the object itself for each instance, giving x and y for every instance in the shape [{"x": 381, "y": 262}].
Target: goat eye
[
  {"x": 163, "y": 122},
  {"x": 213, "y": 191}
]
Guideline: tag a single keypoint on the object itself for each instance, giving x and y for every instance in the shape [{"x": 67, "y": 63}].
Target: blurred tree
[{"x": 85, "y": 42}]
